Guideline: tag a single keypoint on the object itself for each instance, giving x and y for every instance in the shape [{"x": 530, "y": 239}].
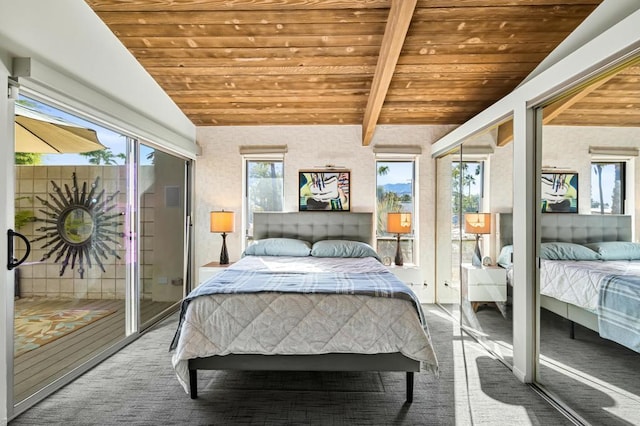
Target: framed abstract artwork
[
  {"x": 559, "y": 192},
  {"x": 324, "y": 190}
]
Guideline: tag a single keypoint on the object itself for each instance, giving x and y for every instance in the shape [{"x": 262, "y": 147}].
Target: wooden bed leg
[
  {"x": 572, "y": 331},
  {"x": 193, "y": 384},
  {"x": 409, "y": 387}
]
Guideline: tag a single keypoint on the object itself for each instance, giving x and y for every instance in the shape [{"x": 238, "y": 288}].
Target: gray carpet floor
[
  {"x": 597, "y": 378},
  {"x": 137, "y": 386}
]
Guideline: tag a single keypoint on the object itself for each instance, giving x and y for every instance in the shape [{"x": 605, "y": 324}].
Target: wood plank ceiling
[{"x": 368, "y": 62}]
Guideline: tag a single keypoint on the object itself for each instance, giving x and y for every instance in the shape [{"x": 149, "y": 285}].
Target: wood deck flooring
[{"x": 39, "y": 367}]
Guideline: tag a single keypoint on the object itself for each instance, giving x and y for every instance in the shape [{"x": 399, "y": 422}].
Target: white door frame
[{"x": 7, "y": 195}]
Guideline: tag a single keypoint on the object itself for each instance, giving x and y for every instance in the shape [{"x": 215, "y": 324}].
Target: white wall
[
  {"x": 76, "y": 56},
  {"x": 218, "y": 183}
]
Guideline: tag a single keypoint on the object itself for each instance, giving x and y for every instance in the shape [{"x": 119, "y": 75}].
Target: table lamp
[
  {"x": 398, "y": 223},
  {"x": 223, "y": 222},
  {"x": 477, "y": 223}
]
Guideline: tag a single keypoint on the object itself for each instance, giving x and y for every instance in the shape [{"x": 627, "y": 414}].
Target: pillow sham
[
  {"x": 567, "y": 251},
  {"x": 505, "y": 259},
  {"x": 343, "y": 248},
  {"x": 279, "y": 247},
  {"x": 616, "y": 250}
]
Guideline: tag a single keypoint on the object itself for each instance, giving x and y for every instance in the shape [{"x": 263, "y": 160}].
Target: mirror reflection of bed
[{"x": 589, "y": 297}]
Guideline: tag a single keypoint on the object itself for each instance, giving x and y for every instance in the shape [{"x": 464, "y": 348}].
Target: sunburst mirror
[{"x": 81, "y": 224}]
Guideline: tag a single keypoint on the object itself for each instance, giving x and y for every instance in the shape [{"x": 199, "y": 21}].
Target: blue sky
[
  {"x": 108, "y": 138},
  {"x": 608, "y": 181},
  {"x": 398, "y": 173}
]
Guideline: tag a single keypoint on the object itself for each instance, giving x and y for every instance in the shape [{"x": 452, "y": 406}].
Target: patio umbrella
[{"x": 40, "y": 133}]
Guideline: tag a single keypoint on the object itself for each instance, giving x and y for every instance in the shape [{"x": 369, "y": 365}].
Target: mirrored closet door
[{"x": 589, "y": 287}]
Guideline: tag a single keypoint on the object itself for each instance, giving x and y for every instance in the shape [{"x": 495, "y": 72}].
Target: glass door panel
[
  {"x": 161, "y": 192},
  {"x": 484, "y": 196},
  {"x": 70, "y": 203},
  {"x": 595, "y": 178}
]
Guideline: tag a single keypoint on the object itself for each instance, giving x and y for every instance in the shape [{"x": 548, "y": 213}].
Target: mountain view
[{"x": 398, "y": 188}]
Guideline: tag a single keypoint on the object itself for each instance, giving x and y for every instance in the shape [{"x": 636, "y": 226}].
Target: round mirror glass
[{"x": 77, "y": 226}]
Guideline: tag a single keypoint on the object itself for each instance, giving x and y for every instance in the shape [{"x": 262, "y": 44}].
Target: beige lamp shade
[
  {"x": 222, "y": 221},
  {"x": 477, "y": 223},
  {"x": 399, "y": 223}
]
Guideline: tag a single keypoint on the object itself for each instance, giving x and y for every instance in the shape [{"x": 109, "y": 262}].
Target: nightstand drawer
[
  {"x": 483, "y": 276},
  {"x": 487, "y": 292},
  {"x": 484, "y": 284}
]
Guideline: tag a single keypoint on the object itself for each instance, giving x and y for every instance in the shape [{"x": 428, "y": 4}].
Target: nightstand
[
  {"x": 411, "y": 275},
  {"x": 210, "y": 269},
  {"x": 486, "y": 284}
]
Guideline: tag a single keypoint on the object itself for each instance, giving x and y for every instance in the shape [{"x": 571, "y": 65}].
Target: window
[
  {"x": 264, "y": 189},
  {"x": 467, "y": 189},
  {"x": 607, "y": 187},
  {"x": 395, "y": 188}
]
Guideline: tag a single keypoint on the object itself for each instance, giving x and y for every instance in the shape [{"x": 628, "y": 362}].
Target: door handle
[{"x": 12, "y": 262}]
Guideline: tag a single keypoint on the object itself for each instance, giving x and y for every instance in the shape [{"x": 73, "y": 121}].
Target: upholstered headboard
[
  {"x": 585, "y": 228},
  {"x": 572, "y": 228},
  {"x": 314, "y": 226}
]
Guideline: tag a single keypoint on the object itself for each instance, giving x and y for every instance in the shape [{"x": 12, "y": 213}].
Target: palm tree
[
  {"x": 28, "y": 158},
  {"x": 598, "y": 169},
  {"x": 103, "y": 156}
]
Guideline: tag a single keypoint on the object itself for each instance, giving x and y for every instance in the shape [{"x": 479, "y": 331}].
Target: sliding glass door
[
  {"x": 71, "y": 193},
  {"x": 162, "y": 203},
  {"x": 101, "y": 230}
]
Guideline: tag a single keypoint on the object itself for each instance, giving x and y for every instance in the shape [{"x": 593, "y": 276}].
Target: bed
[
  {"x": 589, "y": 272},
  {"x": 281, "y": 309}
]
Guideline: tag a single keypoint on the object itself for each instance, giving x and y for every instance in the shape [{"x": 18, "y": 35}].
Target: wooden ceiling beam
[{"x": 400, "y": 15}]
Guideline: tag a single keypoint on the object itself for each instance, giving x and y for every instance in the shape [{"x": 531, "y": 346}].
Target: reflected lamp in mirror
[
  {"x": 478, "y": 224},
  {"x": 223, "y": 222},
  {"x": 398, "y": 223}
]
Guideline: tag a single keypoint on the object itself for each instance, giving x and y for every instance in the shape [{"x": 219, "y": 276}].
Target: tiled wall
[{"x": 42, "y": 278}]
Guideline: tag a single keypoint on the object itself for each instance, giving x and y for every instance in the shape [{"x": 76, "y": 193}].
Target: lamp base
[
  {"x": 224, "y": 255},
  {"x": 398, "y": 260},
  {"x": 476, "y": 260}
]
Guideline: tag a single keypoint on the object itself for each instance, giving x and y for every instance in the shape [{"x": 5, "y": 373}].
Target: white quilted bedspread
[
  {"x": 578, "y": 282},
  {"x": 293, "y": 323}
]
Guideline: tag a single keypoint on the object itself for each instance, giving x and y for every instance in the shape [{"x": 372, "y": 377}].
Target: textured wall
[{"x": 219, "y": 175}]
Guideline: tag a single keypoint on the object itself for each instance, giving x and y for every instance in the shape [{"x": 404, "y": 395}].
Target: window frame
[
  {"x": 256, "y": 158},
  {"x": 413, "y": 236},
  {"x": 624, "y": 167}
]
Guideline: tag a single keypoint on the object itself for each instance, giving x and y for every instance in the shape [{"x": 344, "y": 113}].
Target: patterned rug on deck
[{"x": 35, "y": 328}]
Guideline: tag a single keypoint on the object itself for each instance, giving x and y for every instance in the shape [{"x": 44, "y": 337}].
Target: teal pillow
[
  {"x": 616, "y": 250},
  {"x": 342, "y": 248},
  {"x": 279, "y": 247},
  {"x": 567, "y": 251}
]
